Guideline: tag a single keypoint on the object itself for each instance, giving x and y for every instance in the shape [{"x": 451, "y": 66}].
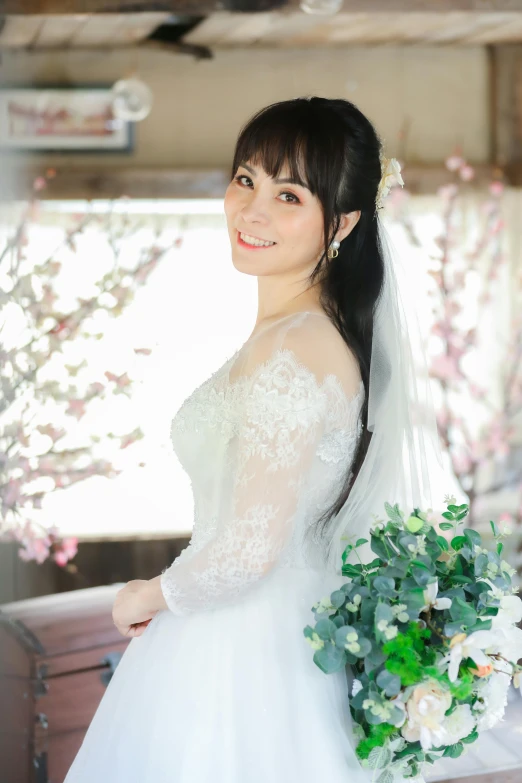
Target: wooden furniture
[{"x": 57, "y": 655}]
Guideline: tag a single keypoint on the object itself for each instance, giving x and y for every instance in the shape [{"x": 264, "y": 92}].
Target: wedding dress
[{"x": 222, "y": 687}]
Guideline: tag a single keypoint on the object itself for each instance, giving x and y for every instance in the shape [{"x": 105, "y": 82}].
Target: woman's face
[{"x": 275, "y": 225}]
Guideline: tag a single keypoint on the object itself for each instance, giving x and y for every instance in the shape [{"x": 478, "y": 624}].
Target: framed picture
[{"x": 62, "y": 119}]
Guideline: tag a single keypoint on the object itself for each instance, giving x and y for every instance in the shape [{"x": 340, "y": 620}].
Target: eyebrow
[{"x": 285, "y": 181}]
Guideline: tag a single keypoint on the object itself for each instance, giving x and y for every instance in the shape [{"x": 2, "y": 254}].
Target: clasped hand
[{"x": 130, "y": 611}]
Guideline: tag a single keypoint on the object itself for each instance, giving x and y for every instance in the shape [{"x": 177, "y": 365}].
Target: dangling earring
[{"x": 333, "y": 250}]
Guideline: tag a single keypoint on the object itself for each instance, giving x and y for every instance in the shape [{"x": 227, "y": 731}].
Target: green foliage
[
  {"x": 377, "y": 736},
  {"x": 394, "y": 619}
]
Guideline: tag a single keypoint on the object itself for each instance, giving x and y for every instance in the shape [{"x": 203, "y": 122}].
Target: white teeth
[{"x": 253, "y": 241}]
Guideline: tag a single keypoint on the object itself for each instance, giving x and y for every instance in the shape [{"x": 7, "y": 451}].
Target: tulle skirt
[{"x": 230, "y": 695}]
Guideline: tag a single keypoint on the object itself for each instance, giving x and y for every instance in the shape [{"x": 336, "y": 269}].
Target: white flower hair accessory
[{"x": 391, "y": 170}]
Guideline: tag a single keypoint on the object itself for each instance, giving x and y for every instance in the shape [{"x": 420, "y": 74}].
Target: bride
[{"x": 292, "y": 445}]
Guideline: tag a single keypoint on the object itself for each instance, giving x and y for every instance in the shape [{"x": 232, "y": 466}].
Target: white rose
[
  {"x": 494, "y": 691},
  {"x": 425, "y": 710},
  {"x": 459, "y": 724},
  {"x": 509, "y": 613},
  {"x": 510, "y": 643}
]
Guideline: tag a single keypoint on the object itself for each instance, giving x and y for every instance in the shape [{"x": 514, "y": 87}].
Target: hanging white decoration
[{"x": 132, "y": 99}]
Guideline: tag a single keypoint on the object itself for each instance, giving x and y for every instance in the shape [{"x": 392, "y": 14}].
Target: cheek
[
  {"x": 306, "y": 229},
  {"x": 230, "y": 203}
]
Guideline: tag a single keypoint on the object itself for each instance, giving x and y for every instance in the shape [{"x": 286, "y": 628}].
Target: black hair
[{"x": 330, "y": 147}]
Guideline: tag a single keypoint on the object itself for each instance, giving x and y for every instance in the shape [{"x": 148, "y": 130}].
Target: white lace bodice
[{"x": 267, "y": 441}]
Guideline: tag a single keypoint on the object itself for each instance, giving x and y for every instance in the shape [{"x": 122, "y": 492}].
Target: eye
[
  {"x": 292, "y": 196},
  {"x": 239, "y": 177}
]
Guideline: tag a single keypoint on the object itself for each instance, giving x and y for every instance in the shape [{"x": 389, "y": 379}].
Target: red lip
[{"x": 253, "y": 247}]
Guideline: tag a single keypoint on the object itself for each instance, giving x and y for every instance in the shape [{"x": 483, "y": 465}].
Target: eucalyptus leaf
[
  {"x": 325, "y": 628},
  {"x": 337, "y": 598},
  {"x": 384, "y": 586},
  {"x": 473, "y": 537},
  {"x": 481, "y": 563},
  {"x": 441, "y": 541},
  {"x": 421, "y": 577},
  {"x": 390, "y": 683},
  {"x": 383, "y": 611},
  {"x": 330, "y": 659},
  {"x": 379, "y": 757}
]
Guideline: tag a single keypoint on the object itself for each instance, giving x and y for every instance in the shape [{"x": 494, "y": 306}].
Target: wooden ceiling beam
[{"x": 48, "y": 7}]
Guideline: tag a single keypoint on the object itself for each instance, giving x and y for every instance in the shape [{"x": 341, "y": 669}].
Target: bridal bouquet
[{"x": 429, "y": 632}]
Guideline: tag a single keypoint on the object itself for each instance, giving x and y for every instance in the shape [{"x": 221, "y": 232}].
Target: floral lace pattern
[{"x": 284, "y": 442}]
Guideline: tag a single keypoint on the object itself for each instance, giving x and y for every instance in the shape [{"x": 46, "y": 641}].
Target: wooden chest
[{"x": 57, "y": 655}]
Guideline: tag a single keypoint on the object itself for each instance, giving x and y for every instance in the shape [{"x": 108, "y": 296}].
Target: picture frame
[{"x": 64, "y": 119}]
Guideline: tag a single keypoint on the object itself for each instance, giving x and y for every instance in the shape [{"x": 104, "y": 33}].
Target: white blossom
[
  {"x": 459, "y": 724},
  {"x": 494, "y": 691},
  {"x": 425, "y": 714},
  {"x": 356, "y": 687},
  {"x": 430, "y": 596},
  {"x": 472, "y": 646},
  {"x": 509, "y": 612}
]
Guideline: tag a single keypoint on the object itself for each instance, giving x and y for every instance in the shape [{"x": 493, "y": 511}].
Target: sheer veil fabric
[{"x": 404, "y": 458}]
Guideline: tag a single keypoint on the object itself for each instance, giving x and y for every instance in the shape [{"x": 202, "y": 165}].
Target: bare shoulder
[{"x": 312, "y": 341}]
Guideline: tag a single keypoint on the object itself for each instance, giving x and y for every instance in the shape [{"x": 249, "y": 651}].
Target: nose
[{"x": 254, "y": 209}]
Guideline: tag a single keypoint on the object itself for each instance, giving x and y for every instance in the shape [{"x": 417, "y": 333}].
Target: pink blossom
[
  {"x": 440, "y": 329},
  {"x": 66, "y": 550},
  {"x": 76, "y": 408},
  {"x": 467, "y": 173},
  {"x": 442, "y": 418},
  {"x": 446, "y": 368},
  {"x": 447, "y": 192},
  {"x": 35, "y": 549},
  {"x": 39, "y": 183},
  {"x": 120, "y": 380},
  {"x": 477, "y": 391},
  {"x": 60, "y": 558},
  {"x": 496, "y": 440},
  {"x": 496, "y": 188},
  {"x": 12, "y": 493},
  {"x": 454, "y": 162},
  {"x": 462, "y": 463}
]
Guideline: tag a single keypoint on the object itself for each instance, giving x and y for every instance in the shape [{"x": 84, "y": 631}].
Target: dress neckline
[{"x": 283, "y": 318}]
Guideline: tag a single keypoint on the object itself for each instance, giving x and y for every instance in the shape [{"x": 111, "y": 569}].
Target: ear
[{"x": 348, "y": 222}]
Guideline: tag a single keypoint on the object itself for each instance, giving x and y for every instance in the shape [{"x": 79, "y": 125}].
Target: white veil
[{"x": 404, "y": 456}]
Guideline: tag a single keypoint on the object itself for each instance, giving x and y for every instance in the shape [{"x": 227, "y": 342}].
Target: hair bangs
[{"x": 281, "y": 136}]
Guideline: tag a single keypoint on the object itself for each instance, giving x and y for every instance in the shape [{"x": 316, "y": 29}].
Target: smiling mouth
[{"x": 247, "y": 240}]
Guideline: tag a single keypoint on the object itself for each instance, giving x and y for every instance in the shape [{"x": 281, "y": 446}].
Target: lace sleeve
[{"x": 284, "y": 415}]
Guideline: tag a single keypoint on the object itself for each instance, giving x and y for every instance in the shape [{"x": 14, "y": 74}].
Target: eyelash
[{"x": 239, "y": 177}]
